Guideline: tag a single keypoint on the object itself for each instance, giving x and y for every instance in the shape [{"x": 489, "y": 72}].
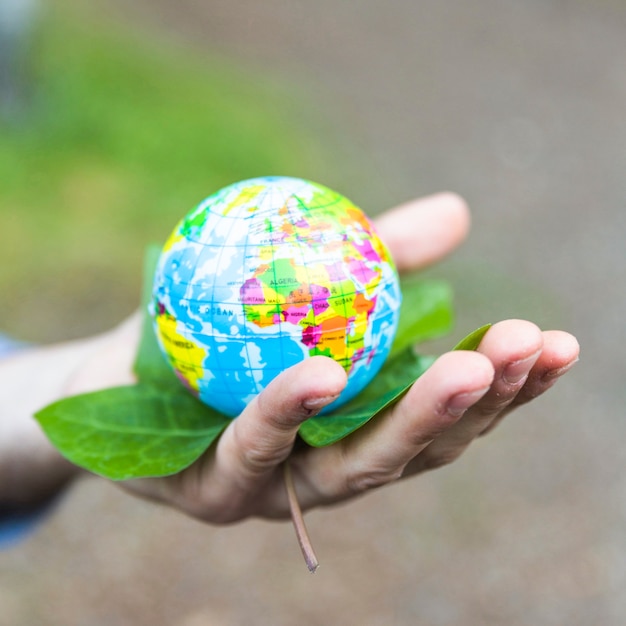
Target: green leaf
[
  {"x": 150, "y": 364},
  {"x": 394, "y": 379},
  {"x": 472, "y": 341},
  {"x": 132, "y": 432},
  {"x": 426, "y": 312}
]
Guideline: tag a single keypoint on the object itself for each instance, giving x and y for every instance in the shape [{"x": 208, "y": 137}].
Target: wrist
[{"x": 31, "y": 469}]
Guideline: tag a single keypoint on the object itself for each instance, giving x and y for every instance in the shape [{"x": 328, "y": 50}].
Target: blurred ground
[{"x": 520, "y": 108}]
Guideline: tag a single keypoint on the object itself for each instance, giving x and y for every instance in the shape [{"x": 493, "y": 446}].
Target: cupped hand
[{"x": 462, "y": 396}]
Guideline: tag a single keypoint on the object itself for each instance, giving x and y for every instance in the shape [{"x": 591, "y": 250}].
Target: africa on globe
[{"x": 265, "y": 273}]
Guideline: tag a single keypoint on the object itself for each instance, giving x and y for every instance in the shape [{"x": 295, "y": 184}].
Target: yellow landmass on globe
[{"x": 185, "y": 357}]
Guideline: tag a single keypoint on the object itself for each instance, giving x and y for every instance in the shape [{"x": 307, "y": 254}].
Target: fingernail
[
  {"x": 556, "y": 373},
  {"x": 462, "y": 401},
  {"x": 313, "y": 405},
  {"x": 515, "y": 372}
]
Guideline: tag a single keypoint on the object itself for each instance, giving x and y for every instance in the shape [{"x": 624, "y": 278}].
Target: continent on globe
[{"x": 265, "y": 273}]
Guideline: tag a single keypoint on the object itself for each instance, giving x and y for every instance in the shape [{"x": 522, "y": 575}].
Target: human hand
[{"x": 461, "y": 396}]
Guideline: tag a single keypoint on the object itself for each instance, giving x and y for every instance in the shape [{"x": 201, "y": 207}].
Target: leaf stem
[{"x": 298, "y": 521}]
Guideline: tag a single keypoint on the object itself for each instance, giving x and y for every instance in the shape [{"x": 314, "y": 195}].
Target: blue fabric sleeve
[
  {"x": 15, "y": 525},
  {"x": 8, "y": 345}
]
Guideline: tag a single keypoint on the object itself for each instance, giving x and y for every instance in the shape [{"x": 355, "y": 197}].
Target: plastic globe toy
[{"x": 265, "y": 273}]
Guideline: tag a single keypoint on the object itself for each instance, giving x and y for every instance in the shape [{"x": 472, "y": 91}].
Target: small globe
[{"x": 265, "y": 273}]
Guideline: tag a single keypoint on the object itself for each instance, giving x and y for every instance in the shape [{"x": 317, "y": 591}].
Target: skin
[{"x": 461, "y": 397}]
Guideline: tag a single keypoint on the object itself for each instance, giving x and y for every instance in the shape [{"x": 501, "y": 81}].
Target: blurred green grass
[{"x": 122, "y": 134}]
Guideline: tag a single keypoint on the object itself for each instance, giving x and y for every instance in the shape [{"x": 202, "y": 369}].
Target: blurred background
[{"x": 115, "y": 120}]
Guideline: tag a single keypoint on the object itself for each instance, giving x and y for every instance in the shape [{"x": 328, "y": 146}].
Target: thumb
[{"x": 262, "y": 436}]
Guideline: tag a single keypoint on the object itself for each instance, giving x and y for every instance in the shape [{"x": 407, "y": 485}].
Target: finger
[
  {"x": 261, "y": 438},
  {"x": 420, "y": 232},
  {"x": 559, "y": 354},
  {"x": 379, "y": 451},
  {"x": 513, "y": 347}
]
